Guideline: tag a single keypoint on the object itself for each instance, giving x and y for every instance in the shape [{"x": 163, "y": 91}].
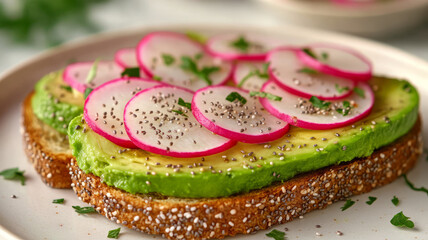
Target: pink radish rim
[
  {"x": 160, "y": 151},
  {"x": 242, "y": 137},
  {"x": 316, "y": 126},
  {"x": 327, "y": 69},
  {"x": 296, "y": 91},
  {"x": 117, "y": 58},
  {"x": 233, "y": 56},
  {"x": 69, "y": 79},
  {"x": 93, "y": 125}
]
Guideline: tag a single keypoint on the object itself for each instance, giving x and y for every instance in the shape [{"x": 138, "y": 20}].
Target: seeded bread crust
[
  {"x": 179, "y": 218},
  {"x": 46, "y": 148}
]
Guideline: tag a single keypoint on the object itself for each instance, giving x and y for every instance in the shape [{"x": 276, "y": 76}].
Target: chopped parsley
[
  {"x": 340, "y": 89},
  {"x": 13, "y": 174},
  {"x": 131, "y": 72},
  {"x": 400, "y": 220},
  {"x": 407, "y": 87},
  {"x": 371, "y": 200},
  {"x": 307, "y": 70},
  {"x": 199, "y": 56},
  {"x": 114, "y": 233},
  {"x": 395, "y": 201},
  {"x": 261, "y": 74},
  {"x": 318, "y": 103},
  {"x": 66, "y": 88},
  {"x": 188, "y": 64},
  {"x": 180, "y": 112},
  {"x": 236, "y": 96},
  {"x": 92, "y": 72},
  {"x": 266, "y": 95},
  {"x": 168, "y": 59},
  {"x": 412, "y": 186},
  {"x": 181, "y": 102},
  {"x": 196, "y": 37},
  {"x": 324, "y": 55},
  {"x": 348, "y": 204},
  {"x": 58, "y": 201},
  {"x": 346, "y": 108},
  {"x": 241, "y": 44},
  {"x": 84, "y": 210},
  {"x": 360, "y": 92},
  {"x": 157, "y": 78},
  {"x": 276, "y": 234},
  {"x": 88, "y": 90},
  {"x": 310, "y": 53}
]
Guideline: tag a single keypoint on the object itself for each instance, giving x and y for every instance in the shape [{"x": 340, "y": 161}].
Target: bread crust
[
  {"x": 46, "y": 148},
  {"x": 179, "y": 218}
]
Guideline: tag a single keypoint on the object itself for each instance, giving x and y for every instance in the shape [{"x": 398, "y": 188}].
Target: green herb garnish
[
  {"x": 346, "y": 108},
  {"x": 236, "y": 96},
  {"x": 199, "y": 56},
  {"x": 181, "y": 102},
  {"x": 310, "y": 53},
  {"x": 347, "y": 205},
  {"x": 261, "y": 74},
  {"x": 92, "y": 72},
  {"x": 188, "y": 64},
  {"x": 241, "y": 44},
  {"x": 157, "y": 78},
  {"x": 371, "y": 200},
  {"x": 400, "y": 220},
  {"x": 360, "y": 92},
  {"x": 168, "y": 59},
  {"x": 324, "y": 56},
  {"x": 307, "y": 70},
  {"x": 84, "y": 210},
  {"x": 180, "y": 112},
  {"x": 341, "y": 89},
  {"x": 196, "y": 37},
  {"x": 88, "y": 90},
  {"x": 114, "y": 233},
  {"x": 265, "y": 95},
  {"x": 66, "y": 88},
  {"x": 407, "y": 87},
  {"x": 277, "y": 235},
  {"x": 395, "y": 201},
  {"x": 13, "y": 174},
  {"x": 412, "y": 186},
  {"x": 58, "y": 201},
  {"x": 318, "y": 103},
  {"x": 131, "y": 72}
]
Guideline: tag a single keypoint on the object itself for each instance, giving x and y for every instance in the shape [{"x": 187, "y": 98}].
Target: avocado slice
[
  {"x": 55, "y": 102},
  {"x": 247, "y": 167}
]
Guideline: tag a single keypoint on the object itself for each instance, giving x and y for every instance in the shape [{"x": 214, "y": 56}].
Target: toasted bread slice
[
  {"x": 180, "y": 218},
  {"x": 46, "y": 148}
]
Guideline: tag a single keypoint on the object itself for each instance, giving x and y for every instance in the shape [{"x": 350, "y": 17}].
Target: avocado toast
[{"x": 249, "y": 186}]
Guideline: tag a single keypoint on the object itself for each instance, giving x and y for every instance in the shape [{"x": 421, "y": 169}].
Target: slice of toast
[
  {"x": 180, "y": 218},
  {"x": 46, "y": 148}
]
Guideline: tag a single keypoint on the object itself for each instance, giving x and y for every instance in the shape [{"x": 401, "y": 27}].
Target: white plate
[
  {"x": 381, "y": 19},
  {"x": 33, "y": 216}
]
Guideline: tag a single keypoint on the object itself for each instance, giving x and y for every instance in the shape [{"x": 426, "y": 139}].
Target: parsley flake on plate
[
  {"x": 13, "y": 174},
  {"x": 371, "y": 200},
  {"x": 395, "y": 201},
  {"x": 114, "y": 233},
  {"x": 347, "y": 204},
  {"x": 400, "y": 220},
  {"x": 58, "y": 201},
  {"x": 84, "y": 210},
  {"x": 276, "y": 234}
]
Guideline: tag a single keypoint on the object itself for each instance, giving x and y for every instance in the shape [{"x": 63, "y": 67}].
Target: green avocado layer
[
  {"x": 248, "y": 166},
  {"x": 56, "y": 103}
]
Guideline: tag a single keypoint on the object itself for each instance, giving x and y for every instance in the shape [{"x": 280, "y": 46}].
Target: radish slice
[
  {"x": 300, "y": 112},
  {"x": 250, "y": 75},
  {"x": 127, "y": 58},
  {"x": 248, "y": 122},
  {"x": 105, "y": 105},
  {"x": 290, "y": 74},
  {"x": 338, "y": 61},
  {"x": 170, "y": 57},
  {"x": 75, "y": 74},
  {"x": 155, "y": 122},
  {"x": 238, "y": 46}
]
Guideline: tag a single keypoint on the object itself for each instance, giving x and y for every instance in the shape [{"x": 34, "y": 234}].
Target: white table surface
[{"x": 118, "y": 14}]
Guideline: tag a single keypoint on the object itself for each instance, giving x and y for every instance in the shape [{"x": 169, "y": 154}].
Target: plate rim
[{"x": 104, "y": 36}]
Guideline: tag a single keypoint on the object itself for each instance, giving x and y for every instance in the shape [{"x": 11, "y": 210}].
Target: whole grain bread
[
  {"x": 47, "y": 149},
  {"x": 180, "y": 218}
]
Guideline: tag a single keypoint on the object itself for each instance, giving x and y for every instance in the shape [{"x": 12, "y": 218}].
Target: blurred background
[{"x": 28, "y": 27}]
